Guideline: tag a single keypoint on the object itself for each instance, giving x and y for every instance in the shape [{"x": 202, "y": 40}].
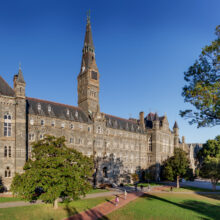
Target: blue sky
[{"x": 142, "y": 47}]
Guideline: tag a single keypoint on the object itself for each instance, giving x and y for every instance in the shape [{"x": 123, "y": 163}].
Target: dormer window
[
  {"x": 68, "y": 112},
  {"x": 49, "y": 108},
  {"x": 76, "y": 114},
  {"x": 38, "y": 106}
]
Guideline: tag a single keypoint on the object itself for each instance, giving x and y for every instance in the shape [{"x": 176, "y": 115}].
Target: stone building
[{"x": 120, "y": 146}]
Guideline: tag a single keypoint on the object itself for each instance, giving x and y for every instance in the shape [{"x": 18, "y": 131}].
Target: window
[
  {"x": 62, "y": 125},
  {"x": 9, "y": 151},
  {"x": 5, "y": 151},
  {"x": 150, "y": 147},
  {"x": 31, "y": 137},
  {"x": 89, "y": 129},
  {"x": 105, "y": 172},
  {"x": 42, "y": 122},
  {"x": 71, "y": 126},
  {"x": 7, "y": 172},
  {"x": 71, "y": 140},
  {"x": 49, "y": 108},
  {"x": 41, "y": 136},
  {"x": 7, "y": 125},
  {"x": 53, "y": 123}
]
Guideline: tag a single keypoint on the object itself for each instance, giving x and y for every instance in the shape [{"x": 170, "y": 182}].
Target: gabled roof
[
  {"x": 5, "y": 89},
  {"x": 122, "y": 124},
  {"x": 57, "y": 110}
]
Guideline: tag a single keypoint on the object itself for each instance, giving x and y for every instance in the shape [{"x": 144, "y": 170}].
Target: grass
[
  {"x": 190, "y": 189},
  {"x": 170, "y": 206},
  {"x": 9, "y": 199},
  {"x": 146, "y": 184},
  {"x": 98, "y": 191},
  {"x": 46, "y": 211}
]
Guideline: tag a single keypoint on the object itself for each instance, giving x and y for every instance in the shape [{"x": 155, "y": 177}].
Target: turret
[
  {"x": 176, "y": 134},
  {"x": 156, "y": 122},
  {"x": 19, "y": 84}
]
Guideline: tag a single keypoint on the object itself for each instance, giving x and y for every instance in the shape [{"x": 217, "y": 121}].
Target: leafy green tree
[
  {"x": 211, "y": 169},
  {"x": 210, "y": 149},
  {"x": 53, "y": 172},
  {"x": 203, "y": 86},
  {"x": 176, "y": 166}
]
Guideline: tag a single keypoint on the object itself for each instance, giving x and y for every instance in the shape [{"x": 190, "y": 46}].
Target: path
[
  {"x": 23, "y": 203},
  {"x": 105, "y": 208}
]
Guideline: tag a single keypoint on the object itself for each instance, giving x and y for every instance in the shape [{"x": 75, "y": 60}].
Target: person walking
[
  {"x": 116, "y": 200},
  {"x": 125, "y": 194}
]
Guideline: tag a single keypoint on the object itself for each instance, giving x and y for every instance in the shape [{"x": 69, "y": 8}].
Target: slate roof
[
  {"x": 56, "y": 110},
  {"x": 5, "y": 89},
  {"x": 122, "y": 124}
]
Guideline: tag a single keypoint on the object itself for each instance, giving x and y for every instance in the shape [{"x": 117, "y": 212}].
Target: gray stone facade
[{"x": 120, "y": 146}]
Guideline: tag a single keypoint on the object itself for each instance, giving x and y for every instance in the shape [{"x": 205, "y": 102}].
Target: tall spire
[{"x": 88, "y": 42}]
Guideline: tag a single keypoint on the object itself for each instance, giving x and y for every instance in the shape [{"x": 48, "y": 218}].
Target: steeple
[
  {"x": 20, "y": 78},
  {"x": 19, "y": 84},
  {"x": 88, "y": 78}
]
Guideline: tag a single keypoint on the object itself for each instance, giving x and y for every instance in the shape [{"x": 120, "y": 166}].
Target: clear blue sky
[{"x": 142, "y": 50}]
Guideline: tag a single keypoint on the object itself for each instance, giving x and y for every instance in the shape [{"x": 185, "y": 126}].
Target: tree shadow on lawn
[
  {"x": 73, "y": 214},
  {"x": 208, "y": 210}
]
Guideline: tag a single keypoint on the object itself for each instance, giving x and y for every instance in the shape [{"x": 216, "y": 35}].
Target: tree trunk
[
  {"x": 213, "y": 186},
  {"x": 177, "y": 182},
  {"x": 55, "y": 204}
]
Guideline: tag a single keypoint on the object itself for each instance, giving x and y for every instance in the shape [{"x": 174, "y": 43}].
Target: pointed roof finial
[
  {"x": 88, "y": 16},
  {"x": 19, "y": 65}
]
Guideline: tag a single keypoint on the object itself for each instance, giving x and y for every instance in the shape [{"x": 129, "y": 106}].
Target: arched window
[
  {"x": 7, "y": 125},
  {"x": 7, "y": 172},
  {"x": 105, "y": 172},
  {"x": 5, "y": 151},
  {"x": 150, "y": 147}
]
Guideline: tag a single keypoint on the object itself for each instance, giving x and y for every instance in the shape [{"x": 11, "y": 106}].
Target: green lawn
[
  {"x": 170, "y": 206},
  {"x": 189, "y": 189},
  {"x": 46, "y": 211},
  {"x": 9, "y": 199}
]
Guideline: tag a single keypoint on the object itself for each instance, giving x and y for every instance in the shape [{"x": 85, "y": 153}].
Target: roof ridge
[
  {"x": 121, "y": 118},
  {"x": 51, "y": 102}
]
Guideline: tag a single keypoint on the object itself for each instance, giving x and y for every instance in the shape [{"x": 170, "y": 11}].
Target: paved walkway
[
  {"x": 105, "y": 208},
  {"x": 23, "y": 203}
]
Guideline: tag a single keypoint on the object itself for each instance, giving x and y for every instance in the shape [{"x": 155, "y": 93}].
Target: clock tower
[{"x": 88, "y": 78}]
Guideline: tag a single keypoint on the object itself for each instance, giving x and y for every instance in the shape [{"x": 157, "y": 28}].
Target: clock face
[{"x": 94, "y": 75}]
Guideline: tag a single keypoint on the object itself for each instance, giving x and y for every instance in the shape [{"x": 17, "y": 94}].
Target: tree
[
  {"x": 211, "y": 169},
  {"x": 53, "y": 172},
  {"x": 210, "y": 149},
  {"x": 134, "y": 177},
  {"x": 203, "y": 86},
  {"x": 176, "y": 166}
]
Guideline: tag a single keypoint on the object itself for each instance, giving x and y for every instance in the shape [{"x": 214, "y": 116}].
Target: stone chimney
[
  {"x": 141, "y": 118},
  {"x": 183, "y": 139}
]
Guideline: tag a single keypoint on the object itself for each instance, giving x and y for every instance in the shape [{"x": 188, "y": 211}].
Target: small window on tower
[{"x": 94, "y": 75}]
